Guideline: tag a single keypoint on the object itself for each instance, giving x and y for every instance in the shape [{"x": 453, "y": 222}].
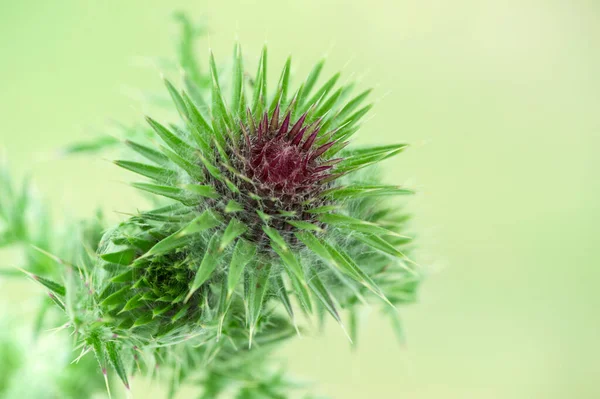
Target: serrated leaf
[
  {"x": 159, "y": 310},
  {"x": 365, "y": 157},
  {"x": 238, "y": 82},
  {"x": 234, "y": 229},
  {"x": 211, "y": 168},
  {"x": 322, "y": 92},
  {"x": 302, "y": 225},
  {"x": 91, "y": 146},
  {"x": 205, "y": 221},
  {"x": 180, "y": 313},
  {"x": 175, "y": 193},
  {"x": 51, "y": 285},
  {"x": 382, "y": 245},
  {"x": 148, "y": 153},
  {"x": 310, "y": 82},
  {"x": 365, "y": 190},
  {"x": 115, "y": 359},
  {"x": 257, "y": 287},
  {"x": 219, "y": 109},
  {"x": 177, "y": 100},
  {"x": 122, "y": 257},
  {"x": 142, "y": 320},
  {"x": 243, "y": 253},
  {"x": 133, "y": 303},
  {"x": 233, "y": 206},
  {"x": 323, "y": 209},
  {"x": 353, "y": 224},
  {"x": 282, "y": 87},
  {"x": 192, "y": 169},
  {"x": 326, "y": 106},
  {"x": 124, "y": 277},
  {"x": 340, "y": 260},
  {"x": 260, "y": 86},
  {"x": 209, "y": 263},
  {"x": 294, "y": 270},
  {"x": 281, "y": 292},
  {"x": 347, "y": 109},
  {"x": 324, "y": 296},
  {"x": 200, "y": 128},
  {"x": 182, "y": 148},
  {"x": 57, "y": 301},
  {"x": 202, "y": 190},
  {"x": 276, "y": 237},
  {"x": 116, "y": 298}
]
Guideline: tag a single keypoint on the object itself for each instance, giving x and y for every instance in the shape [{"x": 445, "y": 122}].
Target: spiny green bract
[{"x": 267, "y": 206}]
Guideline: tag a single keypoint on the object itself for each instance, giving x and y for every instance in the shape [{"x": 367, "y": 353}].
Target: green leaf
[
  {"x": 200, "y": 128},
  {"x": 187, "y": 50},
  {"x": 257, "y": 287},
  {"x": 209, "y": 263},
  {"x": 243, "y": 253},
  {"x": 238, "y": 82},
  {"x": 125, "y": 277},
  {"x": 352, "y": 224},
  {"x": 310, "y": 82},
  {"x": 207, "y": 220},
  {"x": 234, "y": 229},
  {"x": 159, "y": 310},
  {"x": 161, "y": 175},
  {"x": 116, "y": 298},
  {"x": 321, "y": 93},
  {"x": 182, "y": 312},
  {"x": 89, "y": 147},
  {"x": 304, "y": 225},
  {"x": 134, "y": 302},
  {"x": 282, "y": 87},
  {"x": 381, "y": 245},
  {"x": 115, "y": 359},
  {"x": 281, "y": 292},
  {"x": 365, "y": 157},
  {"x": 337, "y": 259},
  {"x": 396, "y": 323},
  {"x": 325, "y": 298},
  {"x": 177, "y": 100},
  {"x": 183, "y": 149},
  {"x": 148, "y": 153},
  {"x": 290, "y": 261},
  {"x": 260, "y": 86},
  {"x": 294, "y": 269},
  {"x": 323, "y": 209},
  {"x": 51, "y": 285},
  {"x": 192, "y": 169},
  {"x": 202, "y": 190},
  {"x": 354, "y": 325},
  {"x": 175, "y": 193},
  {"x": 121, "y": 257},
  {"x": 219, "y": 109},
  {"x": 212, "y": 169},
  {"x": 365, "y": 190},
  {"x": 233, "y": 206},
  {"x": 352, "y": 105},
  {"x": 326, "y": 106},
  {"x": 276, "y": 237}
]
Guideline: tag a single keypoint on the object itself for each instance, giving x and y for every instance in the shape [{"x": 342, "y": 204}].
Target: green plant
[{"x": 265, "y": 217}]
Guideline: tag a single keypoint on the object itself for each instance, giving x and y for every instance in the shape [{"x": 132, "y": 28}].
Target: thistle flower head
[
  {"x": 263, "y": 189},
  {"x": 265, "y": 205}
]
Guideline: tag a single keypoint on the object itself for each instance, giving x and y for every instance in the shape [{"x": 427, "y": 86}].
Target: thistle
[{"x": 264, "y": 205}]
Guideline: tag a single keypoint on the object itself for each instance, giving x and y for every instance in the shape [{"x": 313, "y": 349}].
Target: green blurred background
[{"x": 501, "y": 101}]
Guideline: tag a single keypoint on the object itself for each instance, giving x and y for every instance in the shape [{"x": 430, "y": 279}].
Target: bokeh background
[{"x": 501, "y": 101}]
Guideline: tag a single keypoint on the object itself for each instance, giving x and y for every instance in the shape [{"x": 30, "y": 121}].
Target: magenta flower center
[{"x": 286, "y": 161}]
